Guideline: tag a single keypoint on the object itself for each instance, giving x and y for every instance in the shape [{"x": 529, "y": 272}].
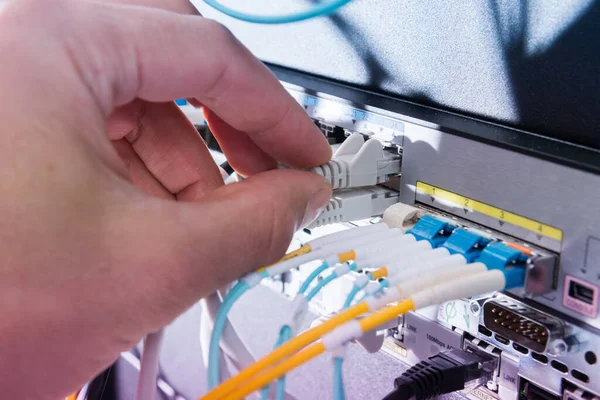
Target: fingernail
[{"x": 316, "y": 205}]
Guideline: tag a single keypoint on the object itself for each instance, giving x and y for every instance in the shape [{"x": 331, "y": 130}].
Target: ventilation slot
[
  {"x": 580, "y": 376},
  {"x": 542, "y": 359},
  {"x": 559, "y": 366}
]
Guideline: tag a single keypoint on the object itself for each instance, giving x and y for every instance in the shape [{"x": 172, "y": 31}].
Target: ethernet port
[
  {"x": 529, "y": 391},
  {"x": 334, "y": 134},
  {"x": 572, "y": 392}
]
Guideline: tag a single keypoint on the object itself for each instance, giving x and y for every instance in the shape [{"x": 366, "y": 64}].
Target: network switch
[{"x": 543, "y": 333}]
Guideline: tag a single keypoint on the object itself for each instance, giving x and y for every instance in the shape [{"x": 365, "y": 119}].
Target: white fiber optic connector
[
  {"x": 356, "y": 204},
  {"x": 358, "y": 163}
]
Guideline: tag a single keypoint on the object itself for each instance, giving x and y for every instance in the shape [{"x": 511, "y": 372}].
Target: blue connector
[
  {"x": 465, "y": 243},
  {"x": 433, "y": 230},
  {"x": 181, "y": 102},
  {"x": 510, "y": 261}
]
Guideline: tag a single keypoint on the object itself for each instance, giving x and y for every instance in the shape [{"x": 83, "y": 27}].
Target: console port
[
  {"x": 529, "y": 391},
  {"x": 522, "y": 324}
]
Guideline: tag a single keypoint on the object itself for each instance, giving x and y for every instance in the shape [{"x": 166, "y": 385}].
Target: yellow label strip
[{"x": 491, "y": 211}]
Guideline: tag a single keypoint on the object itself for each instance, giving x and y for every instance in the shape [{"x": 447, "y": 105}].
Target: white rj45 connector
[
  {"x": 358, "y": 163},
  {"x": 356, "y": 204}
]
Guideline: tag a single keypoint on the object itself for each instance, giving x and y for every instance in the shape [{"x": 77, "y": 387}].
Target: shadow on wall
[
  {"x": 564, "y": 75},
  {"x": 555, "y": 89}
]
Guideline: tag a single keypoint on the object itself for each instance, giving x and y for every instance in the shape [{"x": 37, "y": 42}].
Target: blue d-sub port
[
  {"x": 465, "y": 243},
  {"x": 510, "y": 261},
  {"x": 434, "y": 230}
]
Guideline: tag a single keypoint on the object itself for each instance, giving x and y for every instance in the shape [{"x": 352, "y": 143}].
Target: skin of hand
[{"x": 113, "y": 217}]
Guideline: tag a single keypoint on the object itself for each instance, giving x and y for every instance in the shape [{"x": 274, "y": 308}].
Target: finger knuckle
[
  {"x": 278, "y": 227},
  {"x": 219, "y": 32}
]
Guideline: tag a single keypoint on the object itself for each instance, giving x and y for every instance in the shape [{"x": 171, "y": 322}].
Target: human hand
[{"x": 95, "y": 251}]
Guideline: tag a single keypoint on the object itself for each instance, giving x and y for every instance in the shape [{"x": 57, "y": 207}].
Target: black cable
[{"x": 440, "y": 374}]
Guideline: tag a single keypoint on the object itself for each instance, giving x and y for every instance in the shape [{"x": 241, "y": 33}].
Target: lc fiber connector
[{"x": 358, "y": 163}]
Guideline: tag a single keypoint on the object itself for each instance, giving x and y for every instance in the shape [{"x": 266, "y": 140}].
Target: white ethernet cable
[
  {"x": 149, "y": 365},
  {"x": 358, "y": 163},
  {"x": 356, "y": 204}
]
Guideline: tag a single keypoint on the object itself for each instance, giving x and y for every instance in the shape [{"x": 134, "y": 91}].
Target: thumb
[{"x": 239, "y": 228}]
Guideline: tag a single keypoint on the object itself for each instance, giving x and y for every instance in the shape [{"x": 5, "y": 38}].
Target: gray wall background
[{"x": 531, "y": 64}]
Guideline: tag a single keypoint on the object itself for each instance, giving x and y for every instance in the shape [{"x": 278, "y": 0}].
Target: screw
[
  {"x": 557, "y": 347},
  {"x": 475, "y": 308}
]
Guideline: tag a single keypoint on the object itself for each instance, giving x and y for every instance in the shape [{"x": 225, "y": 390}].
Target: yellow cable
[
  {"x": 298, "y": 252},
  {"x": 366, "y": 324},
  {"x": 347, "y": 256},
  {"x": 292, "y": 346},
  {"x": 278, "y": 371},
  {"x": 387, "y": 314},
  {"x": 379, "y": 273},
  {"x": 72, "y": 397}
]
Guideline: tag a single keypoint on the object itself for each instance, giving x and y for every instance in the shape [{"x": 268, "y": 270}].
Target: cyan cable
[
  {"x": 383, "y": 284},
  {"x": 338, "y": 380},
  {"x": 354, "y": 291},
  {"x": 320, "y": 286},
  {"x": 231, "y": 297},
  {"x": 320, "y": 10},
  {"x": 285, "y": 334},
  {"x": 312, "y": 277}
]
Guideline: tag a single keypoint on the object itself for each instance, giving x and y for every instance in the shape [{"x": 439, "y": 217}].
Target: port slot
[
  {"x": 334, "y": 134},
  {"x": 572, "y": 392},
  {"x": 581, "y": 296},
  {"x": 582, "y": 292},
  {"x": 522, "y": 324},
  {"x": 529, "y": 391}
]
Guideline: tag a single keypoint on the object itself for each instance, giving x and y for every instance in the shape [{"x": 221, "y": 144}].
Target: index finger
[{"x": 159, "y": 56}]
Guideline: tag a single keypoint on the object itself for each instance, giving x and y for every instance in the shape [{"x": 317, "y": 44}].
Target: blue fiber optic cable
[
  {"x": 285, "y": 333},
  {"x": 231, "y": 297},
  {"x": 351, "y": 296},
  {"x": 384, "y": 283},
  {"x": 320, "y": 10},
  {"x": 338, "y": 380},
  {"x": 312, "y": 277},
  {"x": 320, "y": 286}
]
